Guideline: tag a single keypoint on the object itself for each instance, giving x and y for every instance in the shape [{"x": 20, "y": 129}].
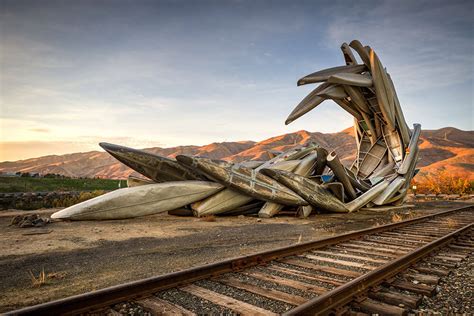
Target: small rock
[{"x": 32, "y": 220}]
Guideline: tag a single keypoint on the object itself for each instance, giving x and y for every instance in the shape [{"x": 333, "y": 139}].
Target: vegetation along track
[{"x": 382, "y": 270}]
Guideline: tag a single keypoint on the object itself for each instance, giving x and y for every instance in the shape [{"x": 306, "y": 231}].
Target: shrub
[
  {"x": 84, "y": 196},
  {"x": 67, "y": 201},
  {"x": 40, "y": 280},
  {"x": 56, "y": 203},
  {"x": 442, "y": 182}
]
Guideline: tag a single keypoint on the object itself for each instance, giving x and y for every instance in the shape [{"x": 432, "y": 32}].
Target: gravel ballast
[
  {"x": 193, "y": 303},
  {"x": 245, "y": 296},
  {"x": 273, "y": 285},
  {"x": 455, "y": 292},
  {"x": 294, "y": 277},
  {"x": 130, "y": 308},
  {"x": 307, "y": 270}
]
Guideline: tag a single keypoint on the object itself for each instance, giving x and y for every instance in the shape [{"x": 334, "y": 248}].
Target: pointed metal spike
[
  {"x": 324, "y": 75},
  {"x": 157, "y": 168}
]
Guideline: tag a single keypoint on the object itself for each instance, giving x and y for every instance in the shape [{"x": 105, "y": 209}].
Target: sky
[{"x": 167, "y": 73}]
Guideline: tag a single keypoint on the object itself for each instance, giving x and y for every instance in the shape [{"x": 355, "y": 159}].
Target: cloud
[
  {"x": 189, "y": 73},
  {"x": 40, "y": 130},
  {"x": 17, "y": 129},
  {"x": 424, "y": 44},
  {"x": 10, "y": 151}
]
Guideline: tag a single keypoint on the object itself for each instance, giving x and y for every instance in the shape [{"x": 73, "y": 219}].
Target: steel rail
[
  {"x": 324, "y": 304},
  {"x": 98, "y": 299}
]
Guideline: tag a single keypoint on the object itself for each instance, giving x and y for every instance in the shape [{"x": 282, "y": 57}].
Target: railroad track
[{"x": 383, "y": 270}]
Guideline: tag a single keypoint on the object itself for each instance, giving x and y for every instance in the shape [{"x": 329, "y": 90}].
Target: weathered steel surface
[
  {"x": 324, "y": 75},
  {"x": 367, "y": 197},
  {"x": 337, "y": 189},
  {"x": 245, "y": 180},
  {"x": 311, "y": 191},
  {"x": 411, "y": 150},
  {"x": 251, "y": 208},
  {"x": 311, "y": 101},
  {"x": 228, "y": 199},
  {"x": 223, "y": 201},
  {"x": 401, "y": 123},
  {"x": 348, "y": 55},
  {"x": 133, "y": 181},
  {"x": 139, "y": 201},
  {"x": 358, "y": 98},
  {"x": 372, "y": 159},
  {"x": 321, "y": 161},
  {"x": 382, "y": 90},
  {"x": 340, "y": 173},
  {"x": 157, "y": 168},
  {"x": 357, "y": 183},
  {"x": 304, "y": 168},
  {"x": 351, "y": 79},
  {"x": 304, "y": 211},
  {"x": 360, "y": 49},
  {"x": 390, "y": 191},
  {"x": 394, "y": 144},
  {"x": 385, "y": 163}
]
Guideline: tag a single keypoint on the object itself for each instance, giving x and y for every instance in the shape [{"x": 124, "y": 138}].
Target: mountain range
[{"x": 446, "y": 148}]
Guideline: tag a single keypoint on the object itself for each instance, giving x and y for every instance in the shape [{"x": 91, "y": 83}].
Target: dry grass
[
  {"x": 208, "y": 218},
  {"x": 45, "y": 278},
  {"x": 396, "y": 218},
  {"x": 40, "y": 280},
  {"x": 83, "y": 196},
  {"x": 451, "y": 222},
  {"x": 299, "y": 239},
  {"x": 379, "y": 223},
  {"x": 56, "y": 275},
  {"x": 410, "y": 215}
]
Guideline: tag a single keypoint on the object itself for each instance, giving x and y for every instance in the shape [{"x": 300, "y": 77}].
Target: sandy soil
[{"x": 82, "y": 256}]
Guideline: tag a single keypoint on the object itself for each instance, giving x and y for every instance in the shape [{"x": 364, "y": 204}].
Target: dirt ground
[{"x": 83, "y": 256}]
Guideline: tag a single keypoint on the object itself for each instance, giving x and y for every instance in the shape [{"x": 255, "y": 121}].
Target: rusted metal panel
[{"x": 140, "y": 200}]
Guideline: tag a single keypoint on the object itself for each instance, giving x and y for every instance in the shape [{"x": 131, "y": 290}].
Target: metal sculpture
[{"x": 304, "y": 179}]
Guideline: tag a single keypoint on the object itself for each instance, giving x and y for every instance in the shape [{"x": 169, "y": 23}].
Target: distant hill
[{"x": 446, "y": 148}]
